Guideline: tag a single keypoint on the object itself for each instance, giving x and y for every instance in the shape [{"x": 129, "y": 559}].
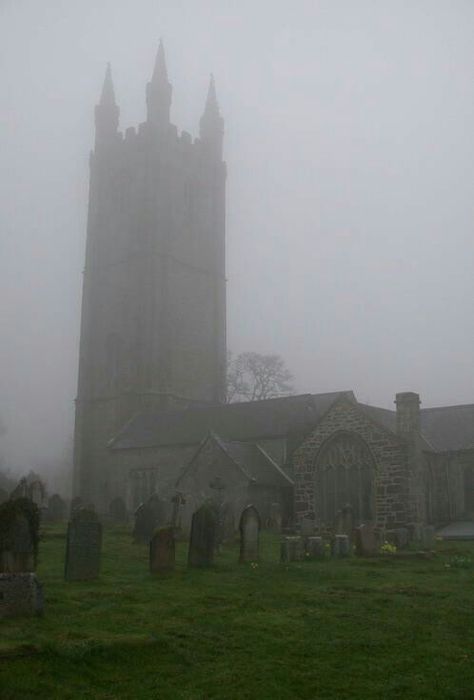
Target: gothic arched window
[{"x": 345, "y": 471}]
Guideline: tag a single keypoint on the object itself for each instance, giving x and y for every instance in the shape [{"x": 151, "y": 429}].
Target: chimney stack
[{"x": 408, "y": 412}]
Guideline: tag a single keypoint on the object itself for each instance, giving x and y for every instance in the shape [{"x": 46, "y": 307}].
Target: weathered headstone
[
  {"x": 366, "y": 541},
  {"x": 148, "y": 516},
  {"x": 56, "y": 508},
  {"x": 83, "y": 546},
  {"x": 291, "y": 549},
  {"x": 428, "y": 536},
  {"x": 275, "y": 519},
  {"x": 118, "y": 510},
  {"x": 314, "y": 547},
  {"x": 19, "y": 536},
  {"x": 76, "y": 503},
  {"x": 249, "y": 529},
  {"x": 20, "y": 594},
  {"x": 340, "y": 546},
  {"x": 162, "y": 551},
  {"x": 202, "y": 542}
]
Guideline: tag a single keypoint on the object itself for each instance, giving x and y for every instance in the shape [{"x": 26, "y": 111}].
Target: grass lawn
[{"x": 383, "y": 628}]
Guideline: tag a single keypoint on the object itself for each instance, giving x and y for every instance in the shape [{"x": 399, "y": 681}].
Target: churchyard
[{"x": 331, "y": 628}]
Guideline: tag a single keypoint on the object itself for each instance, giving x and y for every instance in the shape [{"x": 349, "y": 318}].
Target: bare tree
[{"x": 254, "y": 377}]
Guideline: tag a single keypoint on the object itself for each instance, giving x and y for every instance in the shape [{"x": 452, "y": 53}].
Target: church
[{"x": 151, "y": 415}]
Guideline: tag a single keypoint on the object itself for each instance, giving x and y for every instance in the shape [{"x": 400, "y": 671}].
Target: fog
[{"x": 350, "y": 207}]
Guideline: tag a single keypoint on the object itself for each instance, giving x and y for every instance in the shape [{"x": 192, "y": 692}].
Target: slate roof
[
  {"x": 254, "y": 462},
  {"x": 445, "y": 428},
  {"x": 272, "y": 418}
]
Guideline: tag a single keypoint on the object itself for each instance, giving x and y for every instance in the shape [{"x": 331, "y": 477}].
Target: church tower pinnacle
[
  {"x": 158, "y": 92},
  {"x": 107, "y": 111},
  {"x": 211, "y": 125}
]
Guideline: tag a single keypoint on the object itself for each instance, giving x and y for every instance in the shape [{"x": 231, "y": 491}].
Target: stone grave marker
[
  {"x": 118, "y": 510},
  {"x": 365, "y": 541},
  {"x": 56, "y": 508},
  {"x": 340, "y": 546},
  {"x": 275, "y": 519},
  {"x": 162, "y": 551},
  {"x": 203, "y": 538},
  {"x": 249, "y": 529},
  {"x": 291, "y": 549},
  {"x": 83, "y": 546},
  {"x": 398, "y": 537},
  {"x": 19, "y": 536},
  {"x": 20, "y": 594},
  {"x": 148, "y": 516},
  {"x": 314, "y": 547},
  {"x": 307, "y": 527},
  {"x": 428, "y": 536}
]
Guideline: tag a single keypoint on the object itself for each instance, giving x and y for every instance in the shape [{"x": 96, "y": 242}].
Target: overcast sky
[{"x": 350, "y": 151}]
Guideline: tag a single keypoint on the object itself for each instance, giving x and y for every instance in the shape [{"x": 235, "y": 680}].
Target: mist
[{"x": 350, "y": 155}]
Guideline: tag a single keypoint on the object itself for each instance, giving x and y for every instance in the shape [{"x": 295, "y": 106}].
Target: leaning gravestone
[
  {"x": 340, "y": 546},
  {"x": 118, "y": 510},
  {"x": 291, "y": 549},
  {"x": 148, "y": 516},
  {"x": 20, "y": 594},
  {"x": 249, "y": 529},
  {"x": 203, "y": 538},
  {"x": 83, "y": 546},
  {"x": 19, "y": 536},
  {"x": 56, "y": 508},
  {"x": 162, "y": 551},
  {"x": 365, "y": 541}
]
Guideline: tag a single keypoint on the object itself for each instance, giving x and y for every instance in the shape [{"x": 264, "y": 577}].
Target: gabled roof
[
  {"x": 252, "y": 420},
  {"x": 449, "y": 427},
  {"x": 250, "y": 458},
  {"x": 445, "y": 428}
]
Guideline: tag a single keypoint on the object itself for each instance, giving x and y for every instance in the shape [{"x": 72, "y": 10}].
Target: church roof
[
  {"x": 250, "y": 458},
  {"x": 445, "y": 428},
  {"x": 252, "y": 420}
]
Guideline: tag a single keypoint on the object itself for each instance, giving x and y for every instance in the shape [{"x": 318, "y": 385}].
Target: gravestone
[
  {"x": 76, "y": 503},
  {"x": 83, "y": 546},
  {"x": 148, "y": 516},
  {"x": 366, "y": 541},
  {"x": 314, "y": 547},
  {"x": 20, "y": 594},
  {"x": 19, "y": 536},
  {"x": 340, "y": 546},
  {"x": 118, "y": 510},
  {"x": 291, "y": 549},
  {"x": 428, "y": 537},
  {"x": 56, "y": 508},
  {"x": 203, "y": 538},
  {"x": 249, "y": 529},
  {"x": 162, "y": 551},
  {"x": 275, "y": 519}
]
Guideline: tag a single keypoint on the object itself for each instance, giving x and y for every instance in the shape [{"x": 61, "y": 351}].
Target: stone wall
[{"x": 396, "y": 503}]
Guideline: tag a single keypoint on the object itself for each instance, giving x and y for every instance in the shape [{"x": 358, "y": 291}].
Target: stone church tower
[{"x": 154, "y": 310}]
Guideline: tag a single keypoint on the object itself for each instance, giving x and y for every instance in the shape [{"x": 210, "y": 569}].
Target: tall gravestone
[
  {"x": 365, "y": 541},
  {"x": 19, "y": 536},
  {"x": 249, "y": 529},
  {"x": 83, "y": 546},
  {"x": 162, "y": 551},
  {"x": 203, "y": 538},
  {"x": 148, "y": 516},
  {"x": 20, "y": 590}
]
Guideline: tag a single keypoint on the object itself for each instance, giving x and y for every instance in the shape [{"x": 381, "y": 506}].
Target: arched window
[{"x": 345, "y": 470}]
